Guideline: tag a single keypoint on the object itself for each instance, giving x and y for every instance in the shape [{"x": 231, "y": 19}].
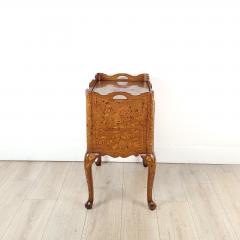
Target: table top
[{"x": 131, "y": 87}]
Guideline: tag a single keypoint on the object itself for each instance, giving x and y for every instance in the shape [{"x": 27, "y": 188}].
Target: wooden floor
[{"x": 45, "y": 201}]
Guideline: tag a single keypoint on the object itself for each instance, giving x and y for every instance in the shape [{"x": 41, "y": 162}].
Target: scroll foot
[
  {"x": 88, "y": 204},
  {"x": 152, "y": 205}
]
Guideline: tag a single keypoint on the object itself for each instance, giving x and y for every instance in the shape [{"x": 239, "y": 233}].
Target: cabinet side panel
[
  {"x": 150, "y": 123},
  {"x": 89, "y": 120},
  {"x": 119, "y": 125}
]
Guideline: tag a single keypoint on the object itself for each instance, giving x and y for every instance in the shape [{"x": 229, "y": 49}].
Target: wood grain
[
  {"x": 137, "y": 221},
  {"x": 12, "y": 195},
  {"x": 30, "y": 221},
  {"x": 209, "y": 216},
  {"x": 68, "y": 216},
  {"x": 4, "y": 172},
  {"x": 24, "y": 171},
  {"x": 120, "y": 123},
  {"x": 49, "y": 182},
  {"x": 17, "y": 181},
  {"x": 197, "y": 202},
  {"x": 175, "y": 221},
  {"x": 226, "y": 186},
  {"x": 104, "y": 220},
  {"x": 168, "y": 183},
  {"x": 8, "y": 211}
]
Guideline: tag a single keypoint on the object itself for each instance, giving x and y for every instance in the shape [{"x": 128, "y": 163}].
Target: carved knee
[
  {"x": 89, "y": 159},
  {"x": 150, "y": 160}
]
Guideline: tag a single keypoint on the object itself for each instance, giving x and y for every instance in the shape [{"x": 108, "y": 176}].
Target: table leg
[
  {"x": 99, "y": 160},
  {"x": 88, "y": 161},
  {"x": 151, "y": 163},
  {"x": 143, "y": 156}
]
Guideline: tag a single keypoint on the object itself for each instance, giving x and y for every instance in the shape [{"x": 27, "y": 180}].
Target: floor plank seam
[
  {"x": 236, "y": 176},
  {"x": 24, "y": 199},
  {"x": 65, "y": 177},
  {"x": 194, "y": 203},
  {"x": 86, "y": 211},
  {"x": 4, "y": 179},
  {"x": 122, "y": 200},
  {"x": 222, "y": 205},
  {"x": 49, "y": 217},
  {"x": 190, "y": 209},
  {"x": 34, "y": 182},
  {"x": 55, "y": 203},
  {"x": 85, "y": 218},
  {"x": 18, "y": 209},
  {"x": 194, "y": 223},
  {"x": 158, "y": 206}
]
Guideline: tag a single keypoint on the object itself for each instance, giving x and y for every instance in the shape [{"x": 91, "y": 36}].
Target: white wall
[{"x": 50, "y": 50}]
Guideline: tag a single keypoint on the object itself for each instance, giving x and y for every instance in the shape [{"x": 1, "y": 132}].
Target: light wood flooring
[{"x": 45, "y": 201}]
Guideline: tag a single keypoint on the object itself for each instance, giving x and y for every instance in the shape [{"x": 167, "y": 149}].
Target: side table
[{"x": 120, "y": 122}]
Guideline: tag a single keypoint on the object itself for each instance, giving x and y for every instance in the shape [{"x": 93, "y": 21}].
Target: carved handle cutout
[
  {"x": 122, "y": 83},
  {"x": 119, "y": 97},
  {"x": 122, "y": 77}
]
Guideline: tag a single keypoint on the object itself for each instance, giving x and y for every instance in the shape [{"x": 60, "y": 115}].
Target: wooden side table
[{"x": 120, "y": 118}]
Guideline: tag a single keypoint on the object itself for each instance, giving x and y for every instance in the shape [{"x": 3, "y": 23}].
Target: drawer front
[{"x": 119, "y": 142}]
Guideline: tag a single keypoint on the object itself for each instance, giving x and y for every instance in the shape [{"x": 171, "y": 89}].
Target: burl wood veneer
[{"x": 120, "y": 118}]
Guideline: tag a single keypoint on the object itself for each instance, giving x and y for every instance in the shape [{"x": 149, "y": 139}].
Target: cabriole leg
[
  {"x": 88, "y": 161},
  {"x": 151, "y": 163}
]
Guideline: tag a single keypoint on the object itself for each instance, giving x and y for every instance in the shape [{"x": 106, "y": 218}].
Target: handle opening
[
  {"x": 119, "y": 97},
  {"x": 122, "y": 77}
]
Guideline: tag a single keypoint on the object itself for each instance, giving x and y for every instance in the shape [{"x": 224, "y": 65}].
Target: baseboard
[
  {"x": 166, "y": 154},
  {"x": 199, "y": 154},
  {"x": 191, "y": 154}
]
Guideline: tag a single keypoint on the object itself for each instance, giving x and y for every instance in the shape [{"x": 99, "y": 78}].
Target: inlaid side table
[{"x": 120, "y": 118}]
